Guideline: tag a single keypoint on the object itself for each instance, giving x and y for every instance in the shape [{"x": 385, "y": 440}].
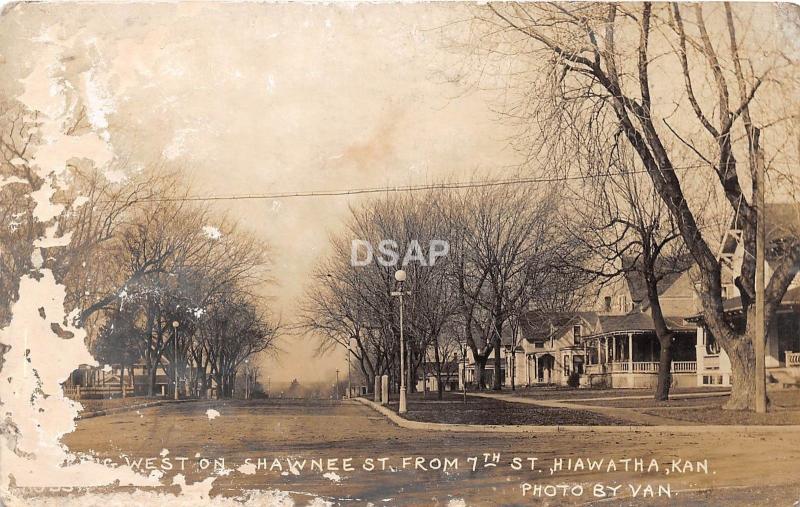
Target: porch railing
[
  {"x": 793, "y": 359},
  {"x": 647, "y": 367},
  {"x": 684, "y": 366},
  {"x": 619, "y": 367}
]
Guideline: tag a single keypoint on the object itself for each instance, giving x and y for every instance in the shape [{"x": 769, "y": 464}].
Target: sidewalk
[
  {"x": 658, "y": 427},
  {"x": 618, "y": 412}
]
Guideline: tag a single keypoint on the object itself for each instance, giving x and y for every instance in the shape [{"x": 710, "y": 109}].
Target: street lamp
[
  {"x": 400, "y": 276},
  {"x": 247, "y": 379},
  {"x": 175, "y": 325},
  {"x": 338, "y": 397}
]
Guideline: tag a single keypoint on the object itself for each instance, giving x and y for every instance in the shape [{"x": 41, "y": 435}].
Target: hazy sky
[{"x": 258, "y": 98}]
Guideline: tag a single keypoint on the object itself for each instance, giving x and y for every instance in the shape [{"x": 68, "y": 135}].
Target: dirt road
[{"x": 325, "y": 434}]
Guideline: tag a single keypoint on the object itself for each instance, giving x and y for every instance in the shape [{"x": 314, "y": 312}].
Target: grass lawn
[
  {"x": 93, "y": 405},
  {"x": 452, "y": 409},
  {"x": 715, "y": 401},
  {"x": 790, "y": 398},
  {"x": 779, "y": 417},
  {"x": 784, "y": 409},
  {"x": 574, "y": 394}
]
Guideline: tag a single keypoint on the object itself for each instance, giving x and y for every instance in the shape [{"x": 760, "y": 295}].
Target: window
[
  {"x": 724, "y": 292},
  {"x": 576, "y": 333},
  {"x": 577, "y": 364},
  {"x": 608, "y": 303}
]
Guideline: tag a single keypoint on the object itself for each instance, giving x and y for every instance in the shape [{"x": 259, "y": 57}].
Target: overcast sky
[{"x": 257, "y": 98}]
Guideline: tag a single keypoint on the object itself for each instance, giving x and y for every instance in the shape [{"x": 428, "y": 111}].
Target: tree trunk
[
  {"x": 513, "y": 367},
  {"x": 203, "y": 384},
  {"x": 497, "y": 380},
  {"x": 438, "y": 362},
  {"x": 151, "y": 380},
  {"x": 663, "y": 333},
  {"x": 743, "y": 377},
  {"x": 122, "y": 379},
  {"x": 664, "y": 370},
  {"x": 218, "y": 380},
  {"x": 480, "y": 367}
]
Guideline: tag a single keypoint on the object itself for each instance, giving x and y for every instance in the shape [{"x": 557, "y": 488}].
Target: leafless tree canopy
[
  {"x": 506, "y": 255},
  {"x": 136, "y": 262},
  {"x": 700, "y": 93}
]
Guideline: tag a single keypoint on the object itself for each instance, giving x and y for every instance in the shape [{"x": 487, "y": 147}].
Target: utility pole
[
  {"x": 175, "y": 354},
  {"x": 464, "y": 372},
  {"x": 349, "y": 372},
  {"x": 760, "y": 337}
]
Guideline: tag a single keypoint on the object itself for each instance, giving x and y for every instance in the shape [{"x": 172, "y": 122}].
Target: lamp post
[
  {"x": 400, "y": 276},
  {"x": 247, "y": 379},
  {"x": 337, "y": 385},
  {"x": 175, "y": 325}
]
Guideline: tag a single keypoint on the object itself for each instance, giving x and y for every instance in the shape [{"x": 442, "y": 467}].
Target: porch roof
[{"x": 636, "y": 322}]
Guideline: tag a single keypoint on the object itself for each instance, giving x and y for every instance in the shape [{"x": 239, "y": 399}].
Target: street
[{"x": 325, "y": 434}]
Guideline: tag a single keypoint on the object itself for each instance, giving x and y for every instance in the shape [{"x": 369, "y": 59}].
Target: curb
[
  {"x": 129, "y": 408},
  {"x": 530, "y": 428}
]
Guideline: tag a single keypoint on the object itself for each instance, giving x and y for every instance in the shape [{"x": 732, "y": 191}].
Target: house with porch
[
  {"x": 611, "y": 342},
  {"x": 783, "y": 340},
  {"x": 551, "y": 348},
  {"x": 624, "y": 352}
]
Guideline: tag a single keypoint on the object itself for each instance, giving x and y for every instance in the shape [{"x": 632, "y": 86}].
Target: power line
[{"x": 401, "y": 188}]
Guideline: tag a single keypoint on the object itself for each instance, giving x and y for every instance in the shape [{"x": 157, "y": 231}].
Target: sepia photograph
[{"x": 399, "y": 253}]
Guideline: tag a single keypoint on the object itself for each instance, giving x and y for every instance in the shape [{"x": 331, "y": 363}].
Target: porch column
[
  {"x": 528, "y": 369},
  {"x": 536, "y": 367},
  {"x": 630, "y": 359},
  {"x": 599, "y": 352},
  {"x": 700, "y": 353},
  {"x": 613, "y": 348}
]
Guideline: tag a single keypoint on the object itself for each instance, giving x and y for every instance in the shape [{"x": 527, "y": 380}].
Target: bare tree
[
  {"x": 17, "y": 136},
  {"x": 353, "y": 304},
  {"x": 626, "y": 231},
  {"x": 596, "y": 70},
  {"x": 506, "y": 237}
]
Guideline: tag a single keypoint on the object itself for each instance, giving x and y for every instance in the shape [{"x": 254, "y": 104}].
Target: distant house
[
  {"x": 552, "y": 346},
  {"x": 428, "y": 380}
]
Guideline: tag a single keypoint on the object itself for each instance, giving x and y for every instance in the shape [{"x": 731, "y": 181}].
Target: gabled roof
[
  {"x": 637, "y": 285},
  {"x": 541, "y": 326},
  {"x": 538, "y": 325}
]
